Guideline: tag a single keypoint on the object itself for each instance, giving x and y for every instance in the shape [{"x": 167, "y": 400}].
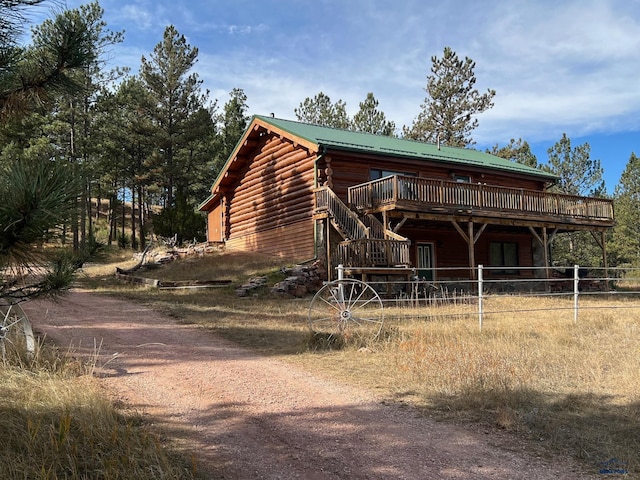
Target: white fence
[{"x": 468, "y": 291}]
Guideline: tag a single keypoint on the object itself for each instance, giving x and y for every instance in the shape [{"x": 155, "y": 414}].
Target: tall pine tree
[
  {"x": 179, "y": 114},
  {"x": 452, "y": 103},
  {"x": 371, "y": 120},
  {"x": 625, "y": 242},
  {"x": 320, "y": 110}
]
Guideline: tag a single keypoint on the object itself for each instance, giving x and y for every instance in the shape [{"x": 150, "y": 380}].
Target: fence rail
[{"x": 613, "y": 288}]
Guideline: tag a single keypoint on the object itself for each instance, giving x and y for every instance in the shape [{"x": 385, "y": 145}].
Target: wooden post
[
  {"x": 547, "y": 269},
  {"x": 605, "y": 262},
  {"x": 328, "y": 234},
  {"x": 472, "y": 251}
]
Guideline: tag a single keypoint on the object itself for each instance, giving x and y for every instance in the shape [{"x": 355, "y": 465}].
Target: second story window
[
  {"x": 376, "y": 173},
  {"x": 462, "y": 178}
]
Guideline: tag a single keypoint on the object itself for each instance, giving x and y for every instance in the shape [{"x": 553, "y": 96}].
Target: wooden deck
[{"x": 416, "y": 197}]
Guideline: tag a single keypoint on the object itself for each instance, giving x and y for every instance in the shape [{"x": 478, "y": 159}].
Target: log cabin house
[{"x": 385, "y": 205}]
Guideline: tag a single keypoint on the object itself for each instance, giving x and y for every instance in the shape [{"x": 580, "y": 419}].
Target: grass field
[{"x": 570, "y": 388}]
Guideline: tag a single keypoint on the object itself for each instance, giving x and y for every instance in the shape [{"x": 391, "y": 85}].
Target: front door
[{"x": 425, "y": 261}]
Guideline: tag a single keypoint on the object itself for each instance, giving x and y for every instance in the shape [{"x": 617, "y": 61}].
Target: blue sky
[{"x": 568, "y": 66}]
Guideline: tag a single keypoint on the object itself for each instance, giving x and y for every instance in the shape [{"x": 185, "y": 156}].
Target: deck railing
[
  {"x": 448, "y": 194},
  {"x": 347, "y": 220},
  {"x": 371, "y": 252}
]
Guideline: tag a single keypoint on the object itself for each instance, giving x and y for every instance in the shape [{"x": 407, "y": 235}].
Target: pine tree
[
  {"x": 517, "y": 151},
  {"x": 371, "y": 120},
  {"x": 625, "y": 242},
  {"x": 29, "y": 76},
  {"x": 234, "y": 121},
  {"x": 36, "y": 193},
  {"x": 176, "y": 95},
  {"x": 452, "y": 102},
  {"x": 183, "y": 132},
  {"x": 320, "y": 110},
  {"x": 580, "y": 175}
]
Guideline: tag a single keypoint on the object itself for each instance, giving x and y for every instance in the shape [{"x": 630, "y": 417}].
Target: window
[
  {"x": 385, "y": 191},
  {"x": 376, "y": 173},
  {"x": 462, "y": 178},
  {"x": 504, "y": 254}
]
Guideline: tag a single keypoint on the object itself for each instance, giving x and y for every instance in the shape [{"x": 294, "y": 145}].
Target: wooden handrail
[
  {"x": 346, "y": 219},
  {"x": 373, "y": 252},
  {"x": 478, "y": 196}
]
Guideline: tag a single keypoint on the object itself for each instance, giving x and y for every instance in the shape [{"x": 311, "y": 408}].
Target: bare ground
[{"x": 245, "y": 416}]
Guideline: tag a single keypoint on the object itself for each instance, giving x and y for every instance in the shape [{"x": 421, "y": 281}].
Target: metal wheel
[
  {"x": 16, "y": 335},
  {"x": 346, "y": 310}
]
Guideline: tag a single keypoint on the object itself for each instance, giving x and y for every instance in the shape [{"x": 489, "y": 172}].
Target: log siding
[{"x": 271, "y": 205}]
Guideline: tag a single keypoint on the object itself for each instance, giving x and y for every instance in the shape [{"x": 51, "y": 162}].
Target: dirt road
[{"x": 250, "y": 417}]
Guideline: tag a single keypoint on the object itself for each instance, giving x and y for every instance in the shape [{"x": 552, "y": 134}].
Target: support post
[
  {"x": 605, "y": 262},
  {"x": 328, "y": 234},
  {"x": 576, "y": 289},
  {"x": 480, "y": 303},
  {"x": 472, "y": 250}
]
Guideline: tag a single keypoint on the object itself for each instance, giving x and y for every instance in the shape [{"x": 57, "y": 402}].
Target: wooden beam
[
  {"x": 471, "y": 239},
  {"x": 399, "y": 225},
  {"x": 477, "y": 235},
  {"x": 460, "y": 231},
  {"x": 536, "y": 236},
  {"x": 399, "y": 211},
  {"x": 544, "y": 243},
  {"x": 472, "y": 252}
]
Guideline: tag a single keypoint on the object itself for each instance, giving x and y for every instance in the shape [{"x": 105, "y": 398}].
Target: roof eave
[{"x": 549, "y": 177}]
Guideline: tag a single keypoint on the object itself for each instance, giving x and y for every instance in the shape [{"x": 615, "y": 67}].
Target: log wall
[
  {"x": 270, "y": 208},
  {"x": 294, "y": 241}
]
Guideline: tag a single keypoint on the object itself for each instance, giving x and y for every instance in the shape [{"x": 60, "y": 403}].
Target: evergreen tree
[
  {"x": 625, "y": 242},
  {"x": 183, "y": 130},
  {"x": 452, "y": 102},
  {"x": 36, "y": 193},
  {"x": 319, "y": 110},
  {"x": 581, "y": 175},
  {"x": 517, "y": 151},
  {"x": 234, "y": 122},
  {"x": 371, "y": 120},
  {"x": 73, "y": 116},
  {"x": 176, "y": 95},
  {"x": 125, "y": 144}
]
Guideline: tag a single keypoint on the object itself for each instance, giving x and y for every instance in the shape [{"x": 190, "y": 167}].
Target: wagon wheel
[
  {"x": 346, "y": 310},
  {"x": 16, "y": 335}
]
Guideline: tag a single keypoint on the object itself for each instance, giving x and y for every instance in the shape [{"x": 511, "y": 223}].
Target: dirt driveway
[{"x": 251, "y": 417}]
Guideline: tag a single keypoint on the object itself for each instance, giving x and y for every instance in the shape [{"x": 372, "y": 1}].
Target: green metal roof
[{"x": 334, "y": 138}]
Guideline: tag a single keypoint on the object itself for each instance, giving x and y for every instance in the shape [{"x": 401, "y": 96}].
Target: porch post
[
  {"x": 605, "y": 262},
  {"x": 544, "y": 243},
  {"x": 328, "y": 246},
  {"x": 472, "y": 251},
  {"x": 545, "y": 248}
]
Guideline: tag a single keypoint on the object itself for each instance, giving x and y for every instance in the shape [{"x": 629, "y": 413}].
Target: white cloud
[{"x": 556, "y": 66}]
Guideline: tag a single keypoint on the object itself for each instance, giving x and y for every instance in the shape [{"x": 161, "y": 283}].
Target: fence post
[
  {"x": 576, "y": 281},
  {"x": 480, "y": 306}
]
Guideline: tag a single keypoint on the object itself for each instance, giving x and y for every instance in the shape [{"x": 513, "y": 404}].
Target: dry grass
[
  {"x": 571, "y": 387},
  {"x": 55, "y": 423}
]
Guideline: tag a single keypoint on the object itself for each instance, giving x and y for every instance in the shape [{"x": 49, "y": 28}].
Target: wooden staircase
[{"x": 366, "y": 243}]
